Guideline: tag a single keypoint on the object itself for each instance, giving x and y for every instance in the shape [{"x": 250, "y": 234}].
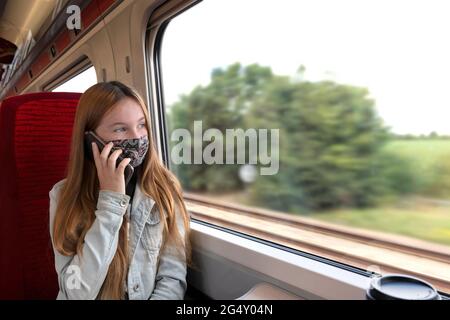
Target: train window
[
  {"x": 320, "y": 125},
  {"x": 78, "y": 83}
]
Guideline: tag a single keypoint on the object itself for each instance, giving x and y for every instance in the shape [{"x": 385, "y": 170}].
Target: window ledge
[{"x": 364, "y": 254}]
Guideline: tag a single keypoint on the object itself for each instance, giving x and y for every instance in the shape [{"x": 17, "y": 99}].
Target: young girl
[{"x": 111, "y": 240}]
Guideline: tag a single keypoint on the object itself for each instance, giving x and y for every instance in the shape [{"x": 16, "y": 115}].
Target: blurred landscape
[{"x": 339, "y": 162}]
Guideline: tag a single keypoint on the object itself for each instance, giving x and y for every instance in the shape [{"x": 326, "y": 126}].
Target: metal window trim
[
  {"x": 76, "y": 68},
  {"x": 315, "y": 277}
]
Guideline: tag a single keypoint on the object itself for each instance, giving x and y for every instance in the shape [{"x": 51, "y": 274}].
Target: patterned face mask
[{"x": 135, "y": 149}]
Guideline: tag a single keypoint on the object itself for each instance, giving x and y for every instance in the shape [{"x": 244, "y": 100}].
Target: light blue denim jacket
[{"x": 81, "y": 277}]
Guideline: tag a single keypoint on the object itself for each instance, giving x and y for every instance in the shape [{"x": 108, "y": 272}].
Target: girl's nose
[
  {"x": 133, "y": 134},
  {"x": 136, "y": 133}
]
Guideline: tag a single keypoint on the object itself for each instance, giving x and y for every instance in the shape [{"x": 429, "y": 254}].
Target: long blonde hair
[{"x": 78, "y": 197}]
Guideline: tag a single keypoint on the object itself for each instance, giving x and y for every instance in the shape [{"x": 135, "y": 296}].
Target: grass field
[
  {"x": 410, "y": 216},
  {"x": 428, "y": 162},
  {"x": 424, "y": 154},
  {"x": 426, "y": 222},
  {"x": 413, "y": 217}
]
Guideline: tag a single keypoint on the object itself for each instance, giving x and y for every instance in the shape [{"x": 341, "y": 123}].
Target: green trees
[
  {"x": 330, "y": 139},
  {"x": 223, "y": 104},
  {"x": 330, "y": 136}
]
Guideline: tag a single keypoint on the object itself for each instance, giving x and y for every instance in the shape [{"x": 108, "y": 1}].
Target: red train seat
[{"x": 35, "y": 133}]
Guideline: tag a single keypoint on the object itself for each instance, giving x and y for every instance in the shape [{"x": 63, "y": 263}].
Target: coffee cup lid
[{"x": 401, "y": 287}]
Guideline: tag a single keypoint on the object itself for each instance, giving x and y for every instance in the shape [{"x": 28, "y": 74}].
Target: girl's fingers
[
  {"x": 105, "y": 152},
  {"x": 122, "y": 165},
  {"x": 113, "y": 159}
]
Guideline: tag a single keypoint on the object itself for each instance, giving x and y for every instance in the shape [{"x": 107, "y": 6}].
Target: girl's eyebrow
[{"x": 122, "y": 123}]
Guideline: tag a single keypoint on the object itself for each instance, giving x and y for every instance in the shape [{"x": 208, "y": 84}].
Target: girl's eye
[
  {"x": 119, "y": 129},
  {"x": 142, "y": 125}
]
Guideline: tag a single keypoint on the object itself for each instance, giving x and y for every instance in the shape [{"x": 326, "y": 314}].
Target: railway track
[{"x": 361, "y": 248}]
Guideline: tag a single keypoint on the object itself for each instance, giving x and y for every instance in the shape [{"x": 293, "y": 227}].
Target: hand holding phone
[{"x": 114, "y": 171}]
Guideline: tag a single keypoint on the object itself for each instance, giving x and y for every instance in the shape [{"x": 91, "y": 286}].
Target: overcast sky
[{"x": 398, "y": 49}]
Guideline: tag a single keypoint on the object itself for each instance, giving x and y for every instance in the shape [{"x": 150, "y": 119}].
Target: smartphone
[{"x": 89, "y": 137}]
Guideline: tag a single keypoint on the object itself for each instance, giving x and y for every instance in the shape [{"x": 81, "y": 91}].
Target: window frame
[
  {"x": 154, "y": 37},
  {"x": 158, "y": 22},
  {"x": 211, "y": 237},
  {"x": 73, "y": 70}
]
